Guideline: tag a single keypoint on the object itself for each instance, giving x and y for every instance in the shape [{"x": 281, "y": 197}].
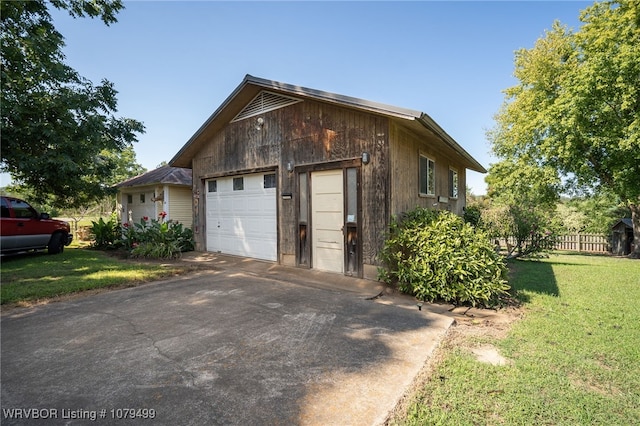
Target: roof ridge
[{"x": 390, "y": 111}]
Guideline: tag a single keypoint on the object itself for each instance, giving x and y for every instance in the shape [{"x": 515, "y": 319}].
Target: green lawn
[
  {"x": 30, "y": 277},
  {"x": 575, "y": 356}
]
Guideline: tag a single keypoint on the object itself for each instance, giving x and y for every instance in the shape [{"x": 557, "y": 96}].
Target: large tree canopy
[
  {"x": 576, "y": 108},
  {"x": 59, "y": 131}
]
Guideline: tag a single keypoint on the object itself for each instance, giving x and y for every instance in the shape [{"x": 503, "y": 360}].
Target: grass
[
  {"x": 31, "y": 277},
  {"x": 575, "y": 356}
]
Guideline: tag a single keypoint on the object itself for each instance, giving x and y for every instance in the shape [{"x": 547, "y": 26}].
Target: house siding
[
  {"x": 179, "y": 205},
  {"x": 135, "y": 211},
  {"x": 405, "y": 151},
  {"x": 176, "y": 202}
]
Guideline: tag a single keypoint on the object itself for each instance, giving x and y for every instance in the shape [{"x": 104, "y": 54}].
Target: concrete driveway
[{"x": 251, "y": 343}]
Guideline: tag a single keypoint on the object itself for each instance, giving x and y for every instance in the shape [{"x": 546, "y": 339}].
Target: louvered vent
[{"x": 264, "y": 102}]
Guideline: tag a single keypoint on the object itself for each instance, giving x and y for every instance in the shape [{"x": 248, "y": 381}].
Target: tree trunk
[{"x": 635, "y": 222}]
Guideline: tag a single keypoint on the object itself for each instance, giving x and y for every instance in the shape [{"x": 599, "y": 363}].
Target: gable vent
[{"x": 265, "y": 102}]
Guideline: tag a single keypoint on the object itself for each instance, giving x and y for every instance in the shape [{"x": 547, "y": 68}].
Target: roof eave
[
  {"x": 430, "y": 124},
  {"x": 328, "y": 97},
  {"x": 165, "y": 175},
  {"x": 184, "y": 157},
  {"x": 182, "y": 160}
]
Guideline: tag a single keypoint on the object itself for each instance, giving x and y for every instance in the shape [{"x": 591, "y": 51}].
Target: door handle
[{"x": 21, "y": 224}]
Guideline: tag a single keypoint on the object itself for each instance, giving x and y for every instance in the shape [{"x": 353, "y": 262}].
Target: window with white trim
[
  {"x": 453, "y": 183},
  {"x": 427, "y": 176}
]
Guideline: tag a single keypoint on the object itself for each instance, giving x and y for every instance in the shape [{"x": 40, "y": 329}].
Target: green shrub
[
  {"x": 105, "y": 234},
  {"x": 472, "y": 215},
  {"x": 163, "y": 250},
  {"x": 147, "y": 238},
  {"x": 157, "y": 238},
  {"x": 437, "y": 256},
  {"x": 183, "y": 236},
  {"x": 527, "y": 230}
]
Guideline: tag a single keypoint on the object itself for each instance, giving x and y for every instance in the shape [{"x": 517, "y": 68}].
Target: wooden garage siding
[
  {"x": 405, "y": 152},
  {"x": 306, "y": 133}
]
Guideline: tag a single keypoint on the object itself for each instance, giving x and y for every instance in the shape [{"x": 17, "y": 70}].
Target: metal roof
[
  {"x": 165, "y": 175},
  {"x": 186, "y": 153},
  {"x": 628, "y": 224}
]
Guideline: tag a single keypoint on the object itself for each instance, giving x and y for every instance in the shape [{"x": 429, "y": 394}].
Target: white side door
[{"x": 327, "y": 216}]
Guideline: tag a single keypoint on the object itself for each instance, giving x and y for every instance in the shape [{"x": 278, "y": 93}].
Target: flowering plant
[
  {"x": 157, "y": 238},
  {"x": 146, "y": 238}
]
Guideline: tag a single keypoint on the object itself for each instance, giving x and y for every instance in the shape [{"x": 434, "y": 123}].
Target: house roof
[
  {"x": 627, "y": 223},
  {"x": 164, "y": 175},
  {"x": 251, "y": 86}
]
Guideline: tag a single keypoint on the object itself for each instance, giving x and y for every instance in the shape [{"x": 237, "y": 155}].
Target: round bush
[{"x": 437, "y": 256}]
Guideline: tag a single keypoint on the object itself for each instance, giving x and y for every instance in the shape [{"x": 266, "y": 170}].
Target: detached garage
[
  {"x": 312, "y": 179},
  {"x": 241, "y": 215}
]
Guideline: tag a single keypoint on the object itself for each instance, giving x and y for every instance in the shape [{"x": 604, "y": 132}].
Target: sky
[{"x": 173, "y": 63}]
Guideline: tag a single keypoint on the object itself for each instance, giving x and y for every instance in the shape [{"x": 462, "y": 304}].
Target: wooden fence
[
  {"x": 587, "y": 243},
  {"x": 592, "y": 243}
]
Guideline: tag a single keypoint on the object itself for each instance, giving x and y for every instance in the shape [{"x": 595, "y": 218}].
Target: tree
[
  {"x": 126, "y": 166},
  {"x": 60, "y": 136},
  {"x": 576, "y": 108},
  {"x": 598, "y": 213},
  {"x": 519, "y": 181}
]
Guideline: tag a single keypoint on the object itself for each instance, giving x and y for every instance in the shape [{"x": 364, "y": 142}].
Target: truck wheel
[{"x": 56, "y": 244}]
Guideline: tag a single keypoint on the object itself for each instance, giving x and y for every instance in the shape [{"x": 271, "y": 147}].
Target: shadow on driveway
[{"x": 217, "y": 347}]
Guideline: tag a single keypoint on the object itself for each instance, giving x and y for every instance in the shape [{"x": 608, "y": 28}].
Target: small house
[
  {"x": 311, "y": 179},
  {"x": 165, "y": 189},
  {"x": 622, "y": 237}
]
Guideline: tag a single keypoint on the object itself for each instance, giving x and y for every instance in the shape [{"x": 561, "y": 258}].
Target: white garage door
[{"x": 241, "y": 215}]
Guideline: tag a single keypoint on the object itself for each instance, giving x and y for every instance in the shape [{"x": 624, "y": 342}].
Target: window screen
[
  {"x": 302, "y": 189},
  {"x": 427, "y": 176},
  {"x": 453, "y": 183},
  {"x": 352, "y": 195}
]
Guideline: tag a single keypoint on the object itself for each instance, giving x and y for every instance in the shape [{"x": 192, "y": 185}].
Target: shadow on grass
[
  {"x": 13, "y": 257},
  {"x": 534, "y": 276}
]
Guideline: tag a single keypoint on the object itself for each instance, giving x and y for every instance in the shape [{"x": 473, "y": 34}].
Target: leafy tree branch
[
  {"x": 576, "y": 108},
  {"x": 59, "y": 130}
]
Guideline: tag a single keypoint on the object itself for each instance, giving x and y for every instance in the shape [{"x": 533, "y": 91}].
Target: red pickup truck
[{"x": 22, "y": 228}]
